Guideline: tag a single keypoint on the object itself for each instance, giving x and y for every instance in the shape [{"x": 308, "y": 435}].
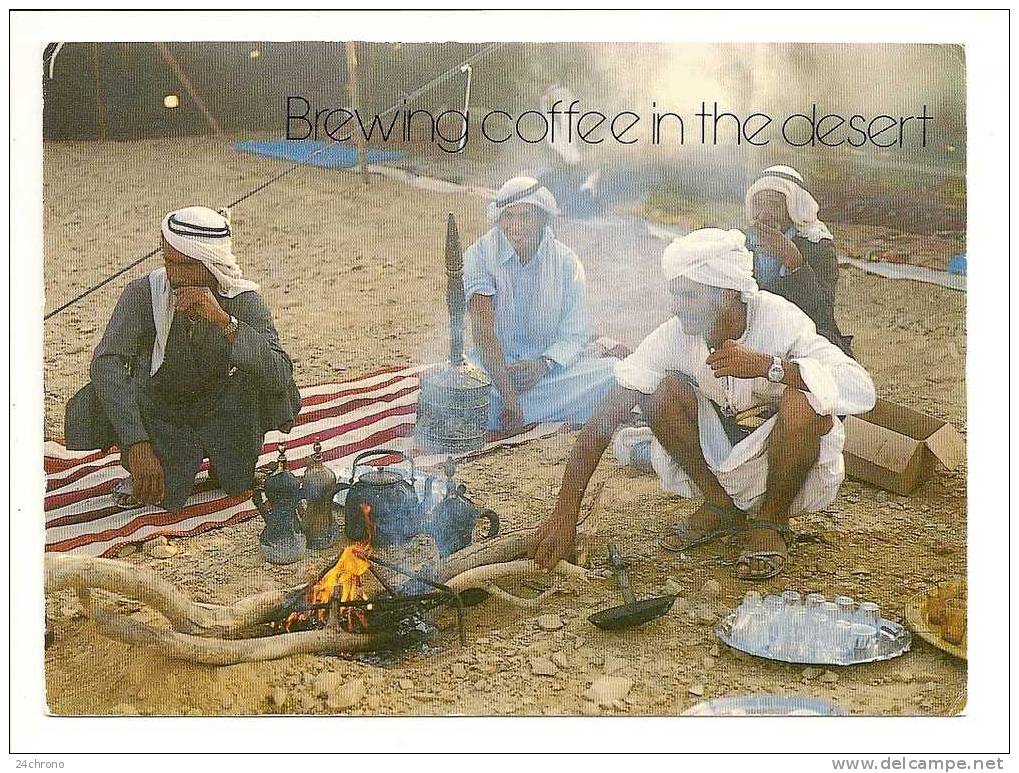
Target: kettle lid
[{"x": 380, "y": 477}]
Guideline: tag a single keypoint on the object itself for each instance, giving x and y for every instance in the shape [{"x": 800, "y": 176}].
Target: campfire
[
  {"x": 345, "y": 576},
  {"x": 338, "y": 614}
]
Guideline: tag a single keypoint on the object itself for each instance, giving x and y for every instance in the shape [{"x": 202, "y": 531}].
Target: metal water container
[
  {"x": 452, "y": 413},
  {"x": 318, "y": 486}
]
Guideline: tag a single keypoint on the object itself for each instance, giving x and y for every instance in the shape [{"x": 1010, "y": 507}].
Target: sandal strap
[
  {"x": 733, "y": 519},
  {"x": 788, "y": 536}
]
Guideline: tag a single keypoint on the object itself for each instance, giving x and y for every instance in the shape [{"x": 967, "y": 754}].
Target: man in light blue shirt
[{"x": 526, "y": 296}]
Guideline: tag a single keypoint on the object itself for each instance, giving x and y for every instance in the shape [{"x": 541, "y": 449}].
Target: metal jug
[
  {"x": 278, "y": 499},
  {"x": 318, "y": 486},
  {"x": 451, "y": 522}
]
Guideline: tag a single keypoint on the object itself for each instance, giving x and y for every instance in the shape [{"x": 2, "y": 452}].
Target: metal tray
[
  {"x": 894, "y": 640},
  {"x": 766, "y": 706}
]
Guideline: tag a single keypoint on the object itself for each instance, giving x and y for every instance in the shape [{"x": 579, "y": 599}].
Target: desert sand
[{"x": 352, "y": 272}]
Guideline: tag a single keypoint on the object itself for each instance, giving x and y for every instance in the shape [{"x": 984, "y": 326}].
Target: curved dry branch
[
  {"x": 485, "y": 576},
  {"x": 226, "y": 652},
  {"x": 186, "y": 615}
]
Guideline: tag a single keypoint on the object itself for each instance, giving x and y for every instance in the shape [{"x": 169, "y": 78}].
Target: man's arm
[
  {"x": 557, "y": 533},
  {"x": 256, "y": 347},
  {"x": 111, "y": 378},
  {"x": 574, "y": 326},
  {"x": 482, "y": 312},
  {"x": 812, "y": 285},
  {"x": 111, "y": 362}
]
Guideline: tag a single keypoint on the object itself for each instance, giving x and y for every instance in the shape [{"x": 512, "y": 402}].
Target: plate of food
[{"x": 939, "y": 617}]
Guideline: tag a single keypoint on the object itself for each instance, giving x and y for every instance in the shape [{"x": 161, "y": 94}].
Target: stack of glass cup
[{"x": 807, "y": 630}]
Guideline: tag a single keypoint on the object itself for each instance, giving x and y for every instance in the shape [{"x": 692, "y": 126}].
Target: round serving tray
[
  {"x": 917, "y": 619},
  {"x": 894, "y": 639},
  {"x": 766, "y": 706}
]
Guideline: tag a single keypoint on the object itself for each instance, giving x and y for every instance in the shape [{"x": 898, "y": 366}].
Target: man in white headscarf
[
  {"x": 526, "y": 296},
  {"x": 794, "y": 252},
  {"x": 190, "y": 367},
  {"x": 729, "y": 349}
]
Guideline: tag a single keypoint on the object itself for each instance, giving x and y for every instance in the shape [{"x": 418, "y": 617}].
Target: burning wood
[
  {"x": 208, "y": 633},
  {"x": 347, "y": 576}
]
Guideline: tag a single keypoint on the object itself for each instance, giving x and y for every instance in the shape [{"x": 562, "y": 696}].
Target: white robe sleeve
[
  {"x": 838, "y": 385},
  {"x": 651, "y": 361},
  {"x": 574, "y": 330},
  {"x": 477, "y": 278}
]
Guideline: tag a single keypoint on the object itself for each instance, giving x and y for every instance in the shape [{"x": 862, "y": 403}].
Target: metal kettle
[
  {"x": 451, "y": 522},
  {"x": 381, "y": 505}
]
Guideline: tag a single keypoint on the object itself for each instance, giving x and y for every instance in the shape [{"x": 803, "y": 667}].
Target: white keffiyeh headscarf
[
  {"x": 711, "y": 257},
  {"x": 801, "y": 206},
  {"x": 202, "y": 234},
  {"x": 522, "y": 190}
]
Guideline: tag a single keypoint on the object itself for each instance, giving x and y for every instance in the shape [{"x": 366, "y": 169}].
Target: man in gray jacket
[{"x": 190, "y": 367}]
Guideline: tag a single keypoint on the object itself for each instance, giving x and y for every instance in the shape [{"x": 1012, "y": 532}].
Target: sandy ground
[{"x": 352, "y": 273}]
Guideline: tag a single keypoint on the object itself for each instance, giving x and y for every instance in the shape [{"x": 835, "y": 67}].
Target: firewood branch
[
  {"x": 484, "y": 577},
  {"x": 226, "y": 652},
  {"x": 184, "y": 614}
]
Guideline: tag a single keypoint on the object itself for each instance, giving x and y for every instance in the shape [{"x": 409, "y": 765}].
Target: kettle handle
[
  {"x": 493, "y": 522},
  {"x": 381, "y": 452}
]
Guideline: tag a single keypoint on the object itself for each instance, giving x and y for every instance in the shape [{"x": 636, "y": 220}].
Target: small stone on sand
[
  {"x": 697, "y": 689},
  {"x": 347, "y": 695},
  {"x": 542, "y": 667},
  {"x": 607, "y": 689},
  {"x": 163, "y": 551},
  {"x": 550, "y": 622},
  {"x": 829, "y": 677}
]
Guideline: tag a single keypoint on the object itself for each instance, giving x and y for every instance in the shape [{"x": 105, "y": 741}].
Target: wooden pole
[
  {"x": 186, "y": 83},
  {"x": 353, "y": 90}
]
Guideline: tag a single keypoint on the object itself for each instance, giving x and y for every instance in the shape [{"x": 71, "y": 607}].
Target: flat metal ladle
[{"x": 633, "y": 612}]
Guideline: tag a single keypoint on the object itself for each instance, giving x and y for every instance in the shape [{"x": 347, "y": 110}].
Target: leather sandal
[
  {"x": 774, "y": 559},
  {"x": 682, "y": 537}
]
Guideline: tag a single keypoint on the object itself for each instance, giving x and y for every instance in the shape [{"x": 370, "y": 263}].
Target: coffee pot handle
[
  {"x": 258, "y": 498},
  {"x": 380, "y": 452}
]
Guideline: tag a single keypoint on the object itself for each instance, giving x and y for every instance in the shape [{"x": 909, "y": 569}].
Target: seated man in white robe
[
  {"x": 526, "y": 297},
  {"x": 730, "y": 348}
]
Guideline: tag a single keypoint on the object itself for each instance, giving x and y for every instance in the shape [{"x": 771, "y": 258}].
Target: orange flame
[{"x": 346, "y": 576}]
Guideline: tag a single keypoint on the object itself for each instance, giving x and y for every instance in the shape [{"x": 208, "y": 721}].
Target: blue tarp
[{"x": 315, "y": 153}]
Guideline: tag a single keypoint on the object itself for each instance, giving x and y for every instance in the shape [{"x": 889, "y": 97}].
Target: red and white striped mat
[{"x": 378, "y": 410}]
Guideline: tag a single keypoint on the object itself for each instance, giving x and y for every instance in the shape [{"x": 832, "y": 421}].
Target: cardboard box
[{"x": 895, "y": 448}]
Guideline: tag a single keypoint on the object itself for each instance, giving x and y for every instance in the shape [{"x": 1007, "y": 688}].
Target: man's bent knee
[
  {"x": 796, "y": 413},
  {"x": 672, "y": 395}
]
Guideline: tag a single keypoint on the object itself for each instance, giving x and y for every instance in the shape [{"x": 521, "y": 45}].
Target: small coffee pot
[
  {"x": 451, "y": 522},
  {"x": 278, "y": 499},
  {"x": 318, "y": 485}
]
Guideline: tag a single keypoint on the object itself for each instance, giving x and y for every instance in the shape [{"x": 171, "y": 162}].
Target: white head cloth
[
  {"x": 202, "y": 234},
  {"x": 712, "y": 257},
  {"x": 522, "y": 190},
  {"x": 801, "y": 206}
]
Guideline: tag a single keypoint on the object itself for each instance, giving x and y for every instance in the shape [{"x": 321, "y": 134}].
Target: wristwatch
[{"x": 776, "y": 372}]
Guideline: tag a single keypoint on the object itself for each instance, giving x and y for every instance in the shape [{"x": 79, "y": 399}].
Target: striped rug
[{"x": 370, "y": 412}]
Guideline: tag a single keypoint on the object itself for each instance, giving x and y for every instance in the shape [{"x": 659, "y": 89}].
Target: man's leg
[
  {"x": 793, "y": 448},
  {"x": 671, "y": 413}
]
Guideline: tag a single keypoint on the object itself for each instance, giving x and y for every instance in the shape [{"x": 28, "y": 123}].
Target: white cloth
[
  {"x": 838, "y": 385},
  {"x": 204, "y": 235},
  {"x": 540, "y": 306},
  {"x": 712, "y": 257},
  {"x": 801, "y": 206},
  {"x": 522, "y": 190}
]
